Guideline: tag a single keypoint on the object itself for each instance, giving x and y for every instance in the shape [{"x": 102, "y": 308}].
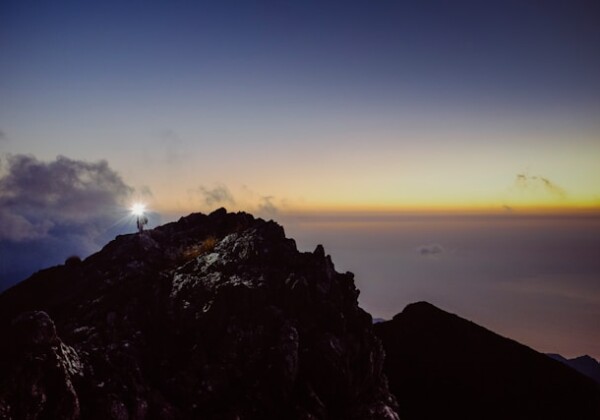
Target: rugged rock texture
[
  {"x": 442, "y": 366},
  {"x": 214, "y": 316}
]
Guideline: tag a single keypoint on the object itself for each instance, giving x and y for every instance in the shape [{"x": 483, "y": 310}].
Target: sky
[{"x": 314, "y": 114}]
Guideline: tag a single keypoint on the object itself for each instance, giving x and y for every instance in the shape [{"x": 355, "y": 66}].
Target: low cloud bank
[{"x": 50, "y": 210}]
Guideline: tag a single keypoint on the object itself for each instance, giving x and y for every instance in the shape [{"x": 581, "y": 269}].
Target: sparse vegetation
[
  {"x": 209, "y": 244},
  {"x": 193, "y": 251}
]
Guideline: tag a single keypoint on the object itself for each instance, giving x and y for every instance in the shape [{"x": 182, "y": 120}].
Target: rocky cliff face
[{"x": 214, "y": 316}]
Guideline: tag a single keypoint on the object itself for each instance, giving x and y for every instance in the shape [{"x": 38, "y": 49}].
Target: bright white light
[{"x": 138, "y": 209}]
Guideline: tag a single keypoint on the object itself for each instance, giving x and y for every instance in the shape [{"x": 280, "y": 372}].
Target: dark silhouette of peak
[
  {"x": 586, "y": 365},
  {"x": 442, "y": 366},
  {"x": 420, "y": 309},
  {"x": 214, "y": 316},
  {"x": 557, "y": 357}
]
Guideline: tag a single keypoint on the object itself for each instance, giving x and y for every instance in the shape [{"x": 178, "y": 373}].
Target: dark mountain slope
[
  {"x": 586, "y": 365},
  {"x": 214, "y": 316},
  {"x": 442, "y": 366}
]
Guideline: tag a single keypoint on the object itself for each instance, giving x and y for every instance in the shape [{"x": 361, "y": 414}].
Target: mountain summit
[{"x": 213, "y": 316}]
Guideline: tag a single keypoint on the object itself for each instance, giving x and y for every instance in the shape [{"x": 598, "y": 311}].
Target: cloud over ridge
[
  {"x": 50, "y": 209},
  {"x": 36, "y": 196}
]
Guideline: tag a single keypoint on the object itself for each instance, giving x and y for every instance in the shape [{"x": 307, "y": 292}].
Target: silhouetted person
[{"x": 141, "y": 222}]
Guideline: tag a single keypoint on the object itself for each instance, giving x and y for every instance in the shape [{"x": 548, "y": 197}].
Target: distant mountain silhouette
[
  {"x": 441, "y": 366},
  {"x": 583, "y": 364}
]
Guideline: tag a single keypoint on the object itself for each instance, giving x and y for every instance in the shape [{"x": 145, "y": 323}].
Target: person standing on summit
[{"x": 138, "y": 211}]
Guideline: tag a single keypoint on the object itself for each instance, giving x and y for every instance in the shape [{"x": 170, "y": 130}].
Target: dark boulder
[{"x": 38, "y": 370}]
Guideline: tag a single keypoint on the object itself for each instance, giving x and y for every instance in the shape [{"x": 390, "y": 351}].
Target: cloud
[
  {"x": 218, "y": 195},
  {"x": 144, "y": 191},
  {"x": 535, "y": 183},
  {"x": 65, "y": 205},
  {"x": 430, "y": 250},
  {"x": 3, "y": 136},
  {"x": 39, "y": 196},
  {"x": 244, "y": 199},
  {"x": 266, "y": 207}
]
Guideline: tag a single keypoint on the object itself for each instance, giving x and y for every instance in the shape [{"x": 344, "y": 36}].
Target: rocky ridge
[{"x": 213, "y": 316}]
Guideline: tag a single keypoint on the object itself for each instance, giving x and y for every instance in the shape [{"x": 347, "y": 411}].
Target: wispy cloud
[
  {"x": 430, "y": 250},
  {"x": 218, "y": 195},
  {"x": 267, "y": 207},
  {"x": 243, "y": 198},
  {"x": 144, "y": 191},
  {"x": 527, "y": 182}
]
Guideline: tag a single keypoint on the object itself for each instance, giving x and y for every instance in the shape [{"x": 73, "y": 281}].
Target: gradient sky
[
  {"x": 352, "y": 104},
  {"x": 292, "y": 109}
]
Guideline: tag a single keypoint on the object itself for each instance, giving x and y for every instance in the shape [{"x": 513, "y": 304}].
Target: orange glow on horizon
[{"x": 589, "y": 209}]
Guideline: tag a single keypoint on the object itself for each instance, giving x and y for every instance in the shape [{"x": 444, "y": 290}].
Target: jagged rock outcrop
[
  {"x": 442, "y": 366},
  {"x": 38, "y": 371},
  {"x": 214, "y": 316}
]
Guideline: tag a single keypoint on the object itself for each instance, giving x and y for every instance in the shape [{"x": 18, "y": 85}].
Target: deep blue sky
[{"x": 439, "y": 49}]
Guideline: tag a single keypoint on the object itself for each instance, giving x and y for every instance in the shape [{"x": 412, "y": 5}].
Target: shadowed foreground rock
[{"x": 214, "y": 316}]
